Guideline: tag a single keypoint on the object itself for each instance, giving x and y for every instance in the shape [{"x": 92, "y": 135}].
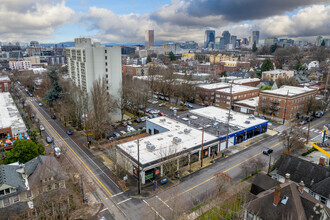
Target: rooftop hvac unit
[
  {"x": 131, "y": 146},
  {"x": 162, "y": 119},
  {"x": 247, "y": 122},
  {"x": 177, "y": 140},
  {"x": 251, "y": 117},
  {"x": 187, "y": 130},
  {"x": 150, "y": 146}
]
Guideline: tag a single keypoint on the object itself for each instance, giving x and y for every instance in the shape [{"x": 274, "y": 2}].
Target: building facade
[
  {"x": 209, "y": 39},
  {"x": 275, "y": 74},
  {"x": 255, "y": 37},
  {"x": 285, "y": 103},
  {"x": 5, "y": 84},
  {"x": 149, "y": 38},
  {"x": 206, "y": 93},
  {"x": 20, "y": 65},
  {"x": 88, "y": 63}
]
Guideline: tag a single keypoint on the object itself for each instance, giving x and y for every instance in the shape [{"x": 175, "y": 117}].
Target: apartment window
[
  {"x": 7, "y": 191},
  {"x": 106, "y": 75},
  {"x": 16, "y": 198},
  {"x": 277, "y": 113},
  {"x": 6, "y": 202},
  {"x": 264, "y": 98},
  {"x": 106, "y": 57},
  {"x": 106, "y": 63},
  {"x": 323, "y": 200},
  {"x": 271, "y": 99},
  {"x": 290, "y": 115},
  {"x": 106, "y": 69},
  {"x": 292, "y": 101},
  {"x": 228, "y": 97},
  {"x": 105, "y": 51},
  {"x": 279, "y": 101}
]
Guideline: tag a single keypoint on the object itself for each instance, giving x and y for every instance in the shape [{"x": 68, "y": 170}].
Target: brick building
[
  {"x": 237, "y": 93},
  {"x": 247, "y": 106},
  {"x": 288, "y": 100},
  {"x": 4, "y": 84},
  {"x": 248, "y": 82},
  {"x": 135, "y": 70},
  {"x": 206, "y": 93},
  {"x": 275, "y": 74}
]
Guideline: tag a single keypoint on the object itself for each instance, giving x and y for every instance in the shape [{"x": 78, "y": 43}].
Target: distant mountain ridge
[{"x": 71, "y": 44}]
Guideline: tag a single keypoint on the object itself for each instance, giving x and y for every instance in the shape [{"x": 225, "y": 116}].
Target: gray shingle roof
[
  {"x": 9, "y": 176},
  {"x": 322, "y": 188},
  {"x": 31, "y": 165},
  {"x": 301, "y": 170}
]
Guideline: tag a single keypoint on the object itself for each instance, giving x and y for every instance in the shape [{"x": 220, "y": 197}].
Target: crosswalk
[
  {"x": 301, "y": 138},
  {"x": 312, "y": 130},
  {"x": 32, "y": 99}
]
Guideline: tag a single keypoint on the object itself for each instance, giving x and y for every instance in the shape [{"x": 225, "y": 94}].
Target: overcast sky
[{"x": 177, "y": 20}]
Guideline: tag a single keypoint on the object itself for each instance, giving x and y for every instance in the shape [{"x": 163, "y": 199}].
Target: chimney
[
  {"x": 287, "y": 178},
  {"x": 301, "y": 187},
  {"x": 277, "y": 195}
]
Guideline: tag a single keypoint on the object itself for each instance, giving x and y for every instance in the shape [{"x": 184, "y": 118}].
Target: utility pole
[
  {"x": 269, "y": 163},
  {"x": 286, "y": 103},
  {"x": 138, "y": 152},
  {"x": 326, "y": 88},
  {"x": 228, "y": 119},
  {"x": 202, "y": 154}
]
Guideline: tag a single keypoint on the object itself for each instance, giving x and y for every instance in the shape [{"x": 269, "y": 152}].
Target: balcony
[{"x": 274, "y": 101}]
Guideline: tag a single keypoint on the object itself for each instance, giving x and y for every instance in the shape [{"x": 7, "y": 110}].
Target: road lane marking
[
  {"x": 321, "y": 150},
  {"x": 104, "y": 210},
  {"x": 164, "y": 203},
  {"x": 106, "y": 189},
  {"x": 123, "y": 201},
  {"x": 79, "y": 149},
  {"x": 205, "y": 181},
  {"x": 117, "y": 194},
  {"x": 153, "y": 210}
]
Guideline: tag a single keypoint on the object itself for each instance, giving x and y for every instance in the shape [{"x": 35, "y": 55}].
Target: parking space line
[{"x": 124, "y": 201}]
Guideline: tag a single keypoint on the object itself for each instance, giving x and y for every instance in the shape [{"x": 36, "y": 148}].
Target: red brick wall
[
  {"x": 2, "y": 85},
  {"x": 222, "y": 100},
  {"x": 6, "y": 131}
]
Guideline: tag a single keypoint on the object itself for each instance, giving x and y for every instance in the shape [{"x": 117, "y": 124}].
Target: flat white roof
[
  {"x": 247, "y": 80},
  {"x": 9, "y": 115},
  {"x": 221, "y": 115},
  {"x": 3, "y": 78},
  {"x": 253, "y": 102},
  {"x": 215, "y": 85},
  {"x": 164, "y": 143},
  {"x": 293, "y": 90},
  {"x": 278, "y": 71},
  {"x": 237, "y": 89}
]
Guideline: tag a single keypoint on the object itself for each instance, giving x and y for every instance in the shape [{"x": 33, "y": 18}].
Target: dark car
[
  {"x": 267, "y": 151},
  {"x": 303, "y": 122},
  {"x": 53, "y": 117},
  {"x": 116, "y": 134},
  {"x": 138, "y": 120},
  {"x": 68, "y": 132},
  {"x": 49, "y": 140}
]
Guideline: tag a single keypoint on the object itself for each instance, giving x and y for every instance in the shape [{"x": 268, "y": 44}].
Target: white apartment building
[
  {"x": 20, "y": 65},
  {"x": 88, "y": 63}
]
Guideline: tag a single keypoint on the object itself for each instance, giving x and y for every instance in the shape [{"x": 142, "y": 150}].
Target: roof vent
[
  {"x": 177, "y": 140},
  {"x": 187, "y": 130},
  {"x": 284, "y": 200},
  {"x": 251, "y": 117},
  {"x": 247, "y": 122},
  {"x": 130, "y": 146},
  {"x": 162, "y": 119}
]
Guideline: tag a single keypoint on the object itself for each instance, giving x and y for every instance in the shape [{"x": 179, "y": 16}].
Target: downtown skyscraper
[
  {"x": 209, "y": 39},
  {"x": 149, "y": 38}
]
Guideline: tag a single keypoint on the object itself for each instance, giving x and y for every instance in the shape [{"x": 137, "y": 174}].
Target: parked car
[
  {"x": 138, "y": 120},
  {"x": 37, "y": 120},
  {"x": 42, "y": 128},
  {"x": 318, "y": 115},
  {"x": 49, "y": 140},
  {"x": 123, "y": 132},
  {"x": 57, "y": 151},
  {"x": 189, "y": 106},
  {"x": 162, "y": 114},
  {"x": 148, "y": 110},
  {"x": 303, "y": 122},
  {"x": 124, "y": 123},
  {"x": 161, "y": 104},
  {"x": 40, "y": 104},
  {"x": 53, "y": 117},
  {"x": 154, "y": 116},
  {"x": 154, "y": 102},
  {"x": 32, "y": 115},
  {"x": 129, "y": 123},
  {"x": 155, "y": 96},
  {"x": 114, "y": 126},
  {"x": 267, "y": 151},
  {"x": 116, "y": 134},
  {"x": 142, "y": 119},
  {"x": 68, "y": 132}
]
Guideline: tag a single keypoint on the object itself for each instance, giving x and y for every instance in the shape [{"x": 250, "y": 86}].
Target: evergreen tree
[
  {"x": 267, "y": 65},
  {"x": 54, "y": 93},
  {"x": 323, "y": 43},
  {"x": 273, "y": 48},
  {"x": 148, "y": 59},
  {"x": 171, "y": 56},
  {"x": 254, "y": 47},
  {"x": 23, "y": 151}
]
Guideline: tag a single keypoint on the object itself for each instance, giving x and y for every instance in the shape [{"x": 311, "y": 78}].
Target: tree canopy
[
  {"x": 254, "y": 47},
  {"x": 267, "y": 65},
  {"x": 323, "y": 43},
  {"x": 273, "y": 48},
  {"x": 148, "y": 59},
  {"x": 23, "y": 151},
  {"x": 171, "y": 56},
  {"x": 54, "y": 93}
]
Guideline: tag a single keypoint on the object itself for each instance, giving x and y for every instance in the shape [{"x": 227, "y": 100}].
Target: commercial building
[
  {"x": 248, "y": 106},
  {"x": 20, "y": 65},
  {"x": 255, "y": 37},
  {"x": 135, "y": 70},
  {"x": 275, "y": 74},
  {"x": 285, "y": 103},
  {"x": 209, "y": 39},
  {"x": 11, "y": 121},
  {"x": 226, "y": 37},
  {"x": 5, "y": 84},
  {"x": 175, "y": 143},
  {"x": 225, "y": 97},
  {"x": 88, "y": 63},
  {"x": 149, "y": 38},
  {"x": 206, "y": 93},
  {"x": 247, "y": 82},
  {"x": 270, "y": 41}
]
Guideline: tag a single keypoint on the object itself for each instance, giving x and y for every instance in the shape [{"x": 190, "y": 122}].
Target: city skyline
[{"x": 177, "y": 20}]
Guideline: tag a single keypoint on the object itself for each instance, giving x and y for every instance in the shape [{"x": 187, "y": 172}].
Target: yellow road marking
[
  {"x": 74, "y": 152},
  {"x": 321, "y": 150},
  {"x": 205, "y": 181}
]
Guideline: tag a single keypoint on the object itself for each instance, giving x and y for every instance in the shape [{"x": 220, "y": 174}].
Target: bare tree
[
  {"x": 223, "y": 180},
  {"x": 292, "y": 138}
]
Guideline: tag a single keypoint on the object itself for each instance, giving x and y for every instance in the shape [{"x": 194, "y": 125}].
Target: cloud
[
  {"x": 310, "y": 21},
  {"x": 32, "y": 20},
  {"x": 240, "y": 10}
]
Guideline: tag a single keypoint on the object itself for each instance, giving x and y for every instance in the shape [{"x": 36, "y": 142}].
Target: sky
[{"x": 125, "y": 21}]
